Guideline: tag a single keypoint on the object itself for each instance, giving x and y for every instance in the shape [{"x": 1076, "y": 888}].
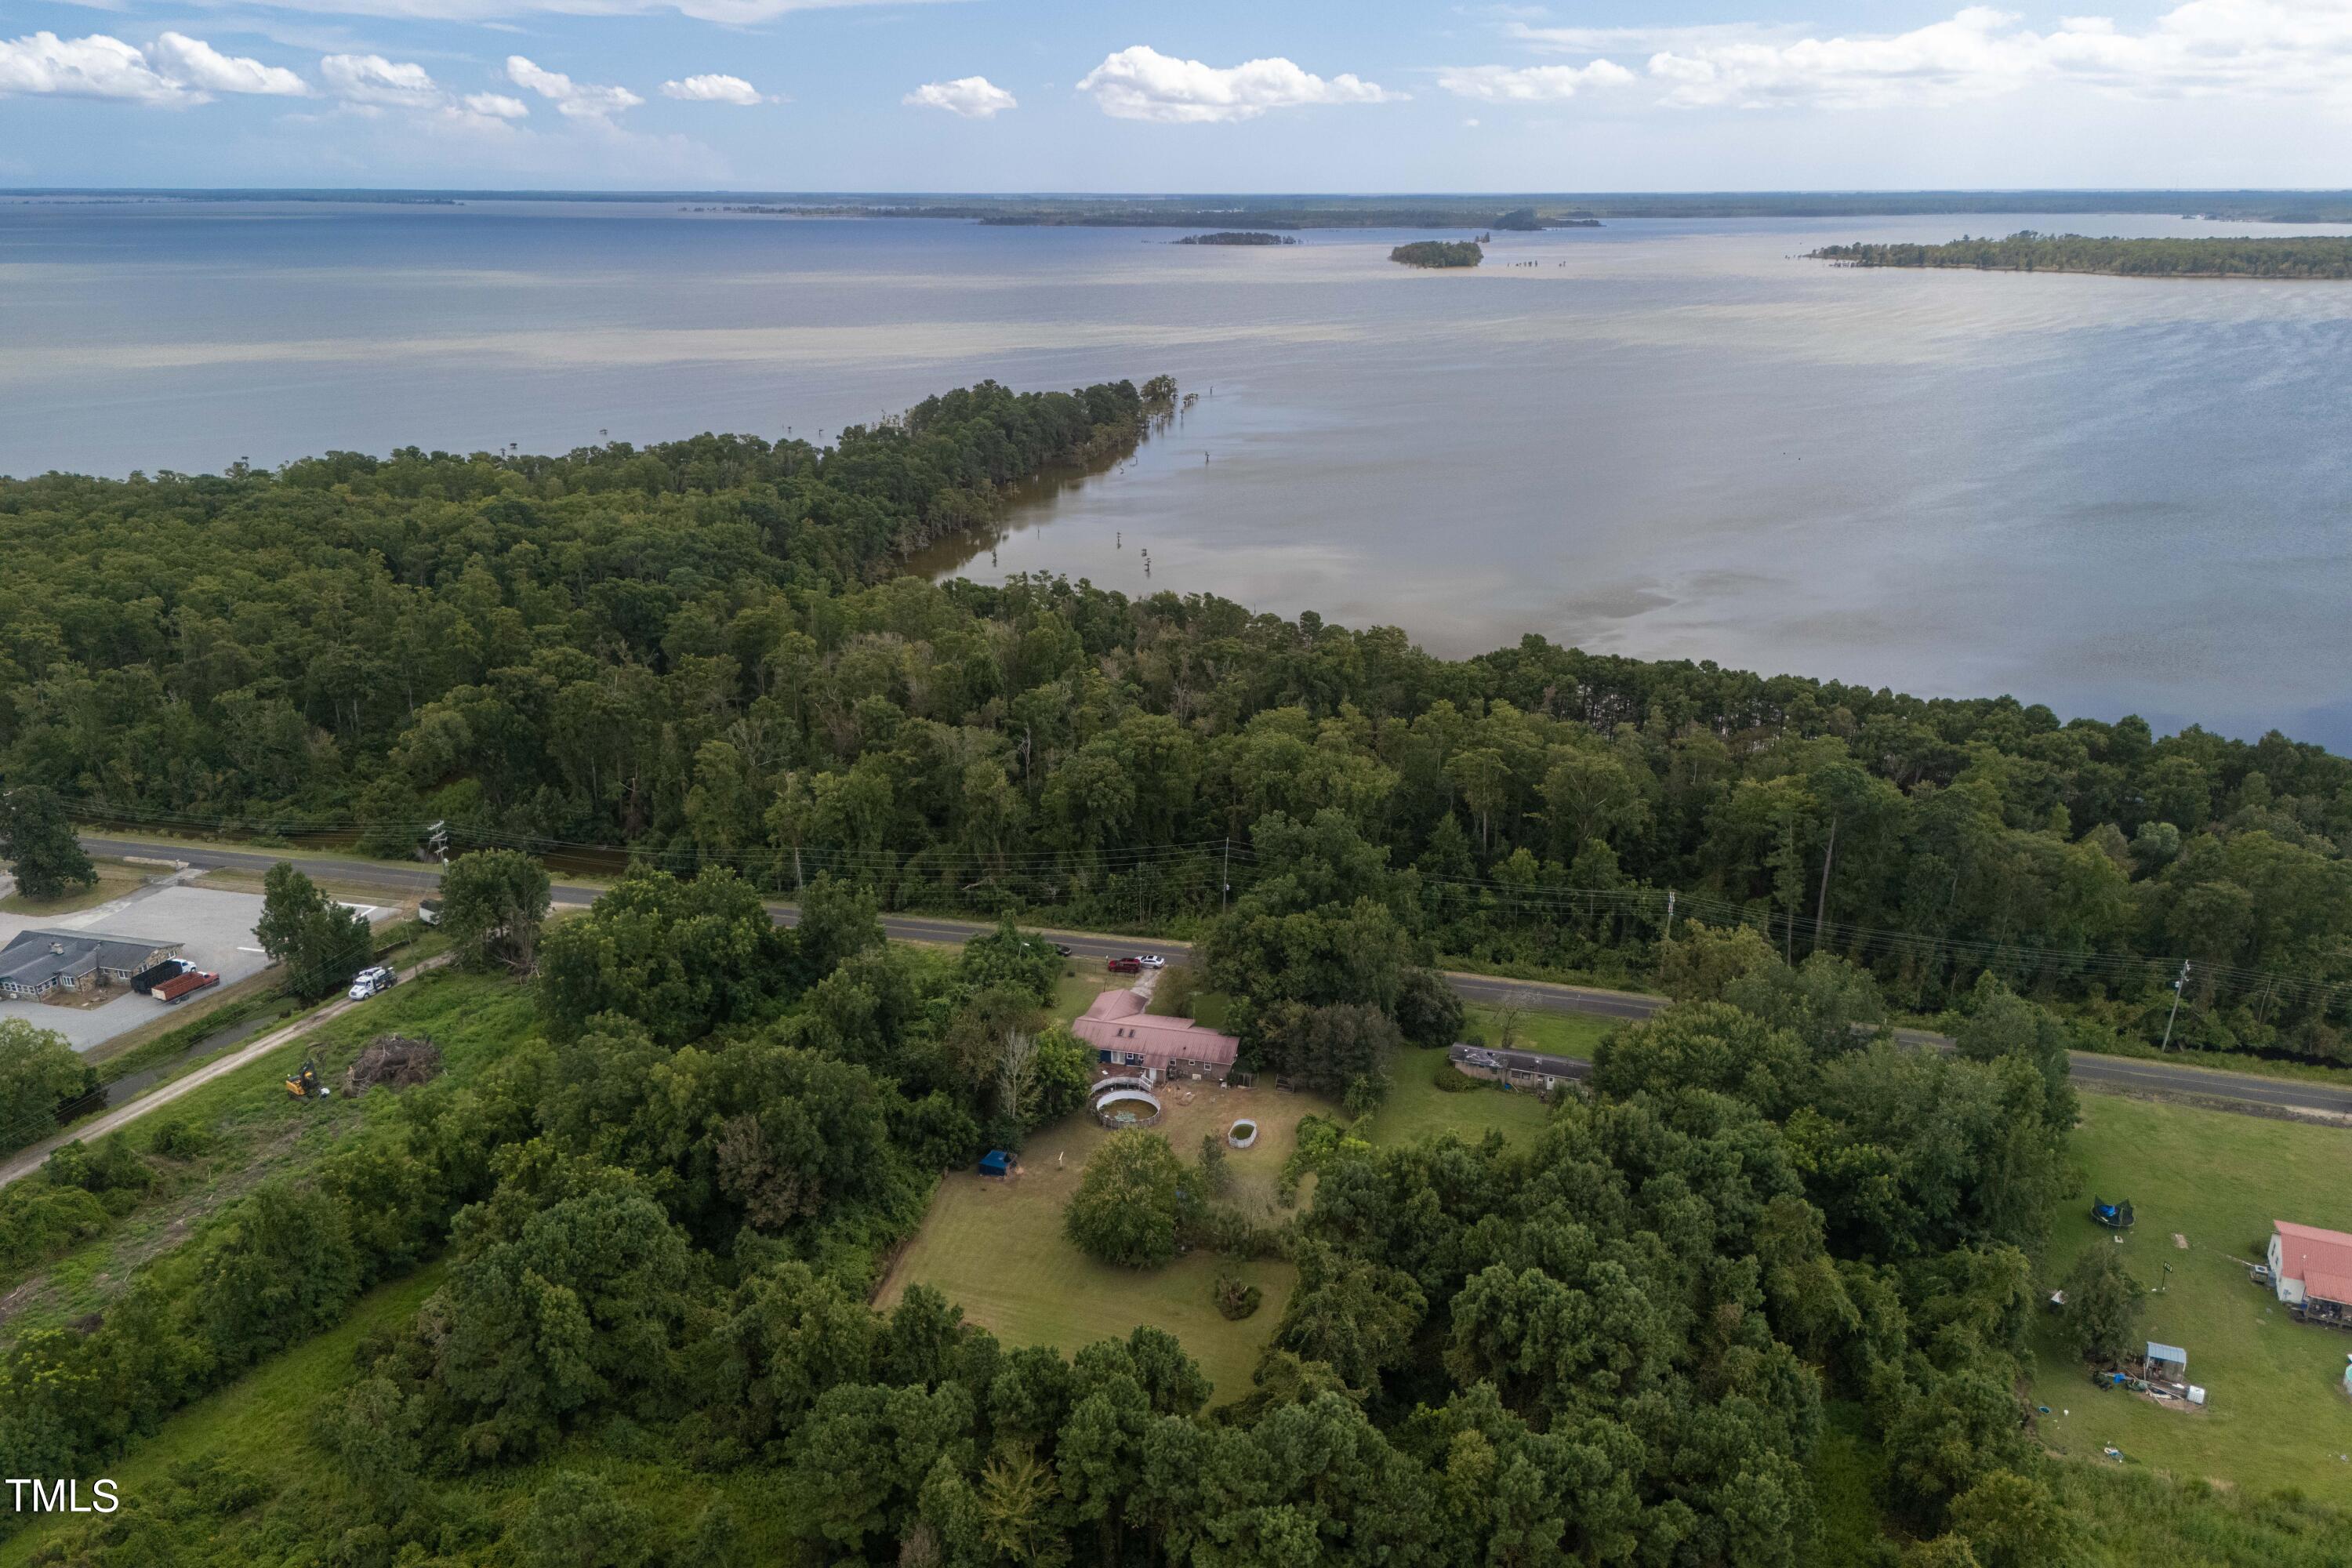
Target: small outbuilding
[
  {"x": 996, "y": 1163},
  {"x": 2165, "y": 1363}
]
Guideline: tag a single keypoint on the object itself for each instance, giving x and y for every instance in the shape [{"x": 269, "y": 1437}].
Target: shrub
[
  {"x": 180, "y": 1140},
  {"x": 1452, "y": 1078},
  {"x": 1215, "y": 1177},
  {"x": 1428, "y": 1010},
  {"x": 111, "y": 1166},
  {"x": 1235, "y": 1300},
  {"x": 1130, "y": 1201},
  {"x": 1365, "y": 1094}
]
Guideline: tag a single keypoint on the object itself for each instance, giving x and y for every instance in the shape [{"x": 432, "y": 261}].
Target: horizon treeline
[{"x": 705, "y": 652}]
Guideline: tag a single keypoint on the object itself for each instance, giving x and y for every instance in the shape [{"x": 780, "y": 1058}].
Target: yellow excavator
[{"x": 305, "y": 1085}]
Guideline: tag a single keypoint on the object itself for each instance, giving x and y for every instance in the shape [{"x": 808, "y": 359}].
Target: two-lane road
[{"x": 2249, "y": 1092}]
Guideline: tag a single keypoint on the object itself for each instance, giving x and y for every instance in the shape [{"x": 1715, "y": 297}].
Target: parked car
[
  {"x": 1152, "y": 961},
  {"x": 1126, "y": 966},
  {"x": 368, "y": 982},
  {"x": 188, "y": 983},
  {"x": 1063, "y": 948}
]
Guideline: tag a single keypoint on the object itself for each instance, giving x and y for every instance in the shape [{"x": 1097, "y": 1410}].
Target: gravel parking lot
[{"x": 215, "y": 929}]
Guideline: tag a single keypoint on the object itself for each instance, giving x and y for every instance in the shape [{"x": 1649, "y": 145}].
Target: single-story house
[
  {"x": 2311, "y": 1268},
  {"x": 1538, "y": 1070},
  {"x": 1130, "y": 1041},
  {"x": 39, "y": 961}
]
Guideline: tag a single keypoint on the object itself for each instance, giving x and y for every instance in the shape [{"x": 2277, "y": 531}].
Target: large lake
[{"x": 1657, "y": 438}]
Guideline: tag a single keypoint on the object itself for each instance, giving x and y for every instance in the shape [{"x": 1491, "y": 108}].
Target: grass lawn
[
  {"x": 1416, "y": 1108},
  {"x": 2276, "y": 1414},
  {"x": 1559, "y": 1034},
  {"x": 995, "y": 1248},
  {"x": 115, "y": 879}
]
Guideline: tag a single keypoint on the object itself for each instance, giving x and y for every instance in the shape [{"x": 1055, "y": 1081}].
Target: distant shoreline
[{"x": 2262, "y": 258}]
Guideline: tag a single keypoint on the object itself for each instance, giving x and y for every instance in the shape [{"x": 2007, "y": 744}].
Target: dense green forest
[
  {"x": 1760, "y": 1301},
  {"x": 704, "y": 651},
  {"x": 2309, "y": 256},
  {"x": 1439, "y": 253}
]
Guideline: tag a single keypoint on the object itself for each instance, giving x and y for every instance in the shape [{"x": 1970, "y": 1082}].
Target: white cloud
[
  {"x": 94, "y": 66},
  {"x": 973, "y": 96},
  {"x": 372, "y": 80},
  {"x": 732, "y": 12},
  {"x": 1531, "y": 84},
  {"x": 1141, "y": 83},
  {"x": 496, "y": 106},
  {"x": 580, "y": 100},
  {"x": 2203, "y": 48},
  {"x": 715, "y": 89},
  {"x": 196, "y": 64}
]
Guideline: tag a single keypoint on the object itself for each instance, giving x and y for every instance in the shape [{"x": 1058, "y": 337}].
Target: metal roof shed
[{"x": 2172, "y": 1355}]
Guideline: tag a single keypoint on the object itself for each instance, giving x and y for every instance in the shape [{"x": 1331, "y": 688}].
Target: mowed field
[
  {"x": 994, "y": 1246},
  {"x": 2276, "y": 1413}
]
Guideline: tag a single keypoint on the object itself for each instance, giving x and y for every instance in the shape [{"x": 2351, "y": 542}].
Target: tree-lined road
[{"x": 2248, "y": 1092}]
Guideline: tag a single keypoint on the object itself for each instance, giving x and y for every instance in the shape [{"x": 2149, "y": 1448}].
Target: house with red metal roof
[
  {"x": 1129, "y": 1040},
  {"x": 2311, "y": 1268}
]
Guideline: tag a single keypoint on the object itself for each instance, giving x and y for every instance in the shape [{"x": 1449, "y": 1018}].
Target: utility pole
[
  {"x": 2177, "y": 986},
  {"x": 436, "y": 839},
  {"x": 1225, "y": 888},
  {"x": 1670, "y": 914}
]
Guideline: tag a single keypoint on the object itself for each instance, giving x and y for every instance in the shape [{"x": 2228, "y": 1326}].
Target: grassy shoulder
[{"x": 2275, "y": 1413}]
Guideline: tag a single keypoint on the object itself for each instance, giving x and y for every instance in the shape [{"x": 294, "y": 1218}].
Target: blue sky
[{"x": 1213, "y": 95}]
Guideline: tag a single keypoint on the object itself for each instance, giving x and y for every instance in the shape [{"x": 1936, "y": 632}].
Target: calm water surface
[{"x": 1668, "y": 439}]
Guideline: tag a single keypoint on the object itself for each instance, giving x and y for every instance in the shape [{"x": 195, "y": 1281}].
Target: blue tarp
[{"x": 996, "y": 1163}]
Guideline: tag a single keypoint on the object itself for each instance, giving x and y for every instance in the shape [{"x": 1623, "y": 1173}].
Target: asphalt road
[{"x": 2246, "y": 1093}]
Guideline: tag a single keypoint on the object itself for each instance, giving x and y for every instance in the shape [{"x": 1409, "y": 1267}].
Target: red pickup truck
[{"x": 185, "y": 984}]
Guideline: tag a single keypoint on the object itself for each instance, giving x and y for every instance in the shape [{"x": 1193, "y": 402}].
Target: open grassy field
[
  {"x": 995, "y": 1248},
  {"x": 2276, "y": 1414}
]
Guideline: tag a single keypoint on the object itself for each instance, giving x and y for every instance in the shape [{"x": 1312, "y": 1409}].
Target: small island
[
  {"x": 1237, "y": 236},
  {"x": 2305, "y": 255},
  {"x": 1439, "y": 253}
]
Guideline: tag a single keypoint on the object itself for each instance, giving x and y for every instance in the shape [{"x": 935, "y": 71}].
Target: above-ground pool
[
  {"x": 1126, "y": 1107},
  {"x": 1242, "y": 1134}
]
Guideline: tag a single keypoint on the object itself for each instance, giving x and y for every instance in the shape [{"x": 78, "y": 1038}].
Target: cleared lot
[{"x": 215, "y": 927}]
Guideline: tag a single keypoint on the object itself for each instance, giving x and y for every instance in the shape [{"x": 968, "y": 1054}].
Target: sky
[{"x": 1209, "y": 94}]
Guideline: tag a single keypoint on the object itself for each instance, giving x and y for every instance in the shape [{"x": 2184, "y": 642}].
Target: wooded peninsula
[{"x": 2309, "y": 256}]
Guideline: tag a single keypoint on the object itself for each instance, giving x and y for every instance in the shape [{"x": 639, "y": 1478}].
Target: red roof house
[
  {"x": 1128, "y": 1039},
  {"x": 2308, "y": 1264}
]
